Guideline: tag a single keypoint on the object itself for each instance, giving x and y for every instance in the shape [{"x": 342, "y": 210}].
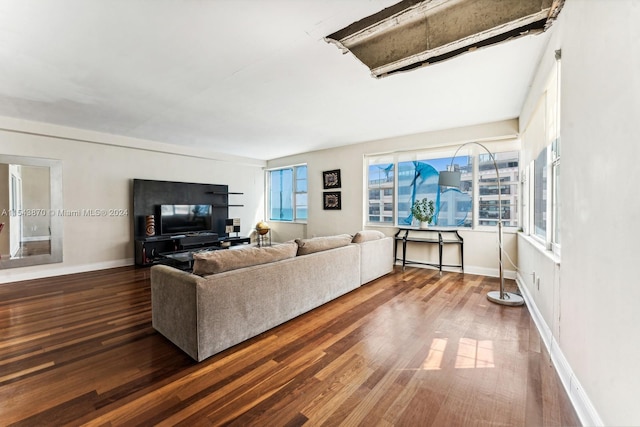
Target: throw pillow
[
  {"x": 233, "y": 259},
  {"x": 317, "y": 244},
  {"x": 366, "y": 235}
]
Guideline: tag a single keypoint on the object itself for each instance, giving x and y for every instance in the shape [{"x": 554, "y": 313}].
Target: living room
[{"x": 586, "y": 315}]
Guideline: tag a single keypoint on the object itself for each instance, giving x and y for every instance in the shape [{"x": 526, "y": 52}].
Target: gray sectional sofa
[{"x": 233, "y": 295}]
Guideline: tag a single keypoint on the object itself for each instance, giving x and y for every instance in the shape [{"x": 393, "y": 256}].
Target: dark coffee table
[{"x": 184, "y": 259}]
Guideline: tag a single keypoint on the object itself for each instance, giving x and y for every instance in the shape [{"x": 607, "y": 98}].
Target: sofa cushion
[
  {"x": 367, "y": 235},
  {"x": 233, "y": 259},
  {"x": 317, "y": 244}
]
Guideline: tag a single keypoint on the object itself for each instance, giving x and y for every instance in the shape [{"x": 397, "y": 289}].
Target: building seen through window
[{"x": 393, "y": 187}]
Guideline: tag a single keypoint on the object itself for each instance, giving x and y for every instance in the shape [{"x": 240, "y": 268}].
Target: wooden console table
[{"x": 439, "y": 236}]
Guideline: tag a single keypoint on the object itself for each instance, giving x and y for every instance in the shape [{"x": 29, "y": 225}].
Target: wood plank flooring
[{"x": 411, "y": 349}]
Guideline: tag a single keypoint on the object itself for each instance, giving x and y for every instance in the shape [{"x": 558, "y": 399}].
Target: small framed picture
[
  {"x": 332, "y": 200},
  {"x": 331, "y": 179}
]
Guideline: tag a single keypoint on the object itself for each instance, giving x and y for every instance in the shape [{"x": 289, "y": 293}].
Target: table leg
[{"x": 404, "y": 252}]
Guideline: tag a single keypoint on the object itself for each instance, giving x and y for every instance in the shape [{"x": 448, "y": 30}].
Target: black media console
[
  {"x": 153, "y": 250},
  {"x": 148, "y": 195}
]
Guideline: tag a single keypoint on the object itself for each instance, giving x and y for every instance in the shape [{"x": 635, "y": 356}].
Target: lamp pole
[{"x": 501, "y": 296}]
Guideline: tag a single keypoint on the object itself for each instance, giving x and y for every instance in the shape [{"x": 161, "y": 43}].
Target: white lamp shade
[{"x": 449, "y": 179}]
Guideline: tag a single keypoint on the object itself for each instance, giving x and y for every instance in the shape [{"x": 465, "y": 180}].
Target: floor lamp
[{"x": 451, "y": 178}]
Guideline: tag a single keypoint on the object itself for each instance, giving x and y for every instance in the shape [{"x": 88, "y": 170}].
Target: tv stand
[
  {"x": 233, "y": 241},
  {"x": 152, "y": 250},
  {"x": 198, "y": 240},
  {"x": 148, "y": 249}
]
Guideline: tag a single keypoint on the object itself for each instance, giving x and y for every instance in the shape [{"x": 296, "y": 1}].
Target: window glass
[
  {"x": 301, "y": 179},
  {"x": 554, "y": 131},
  {"x": 418, "y": 179},
  {"x": 301, "y": 193},
  {"x": 281, "y": 195},
  {"x": 380, "y": 186},
  {"x": 488, "y": 187},
  {"x": 540, "y": 194},
  {"x": 556, "y": 207}
]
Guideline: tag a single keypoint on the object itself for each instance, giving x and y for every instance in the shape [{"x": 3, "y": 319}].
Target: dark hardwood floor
[{"x": 411, "y": 349}]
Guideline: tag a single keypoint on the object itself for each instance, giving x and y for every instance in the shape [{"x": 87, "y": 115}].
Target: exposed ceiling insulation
[{"x": 414, "y": 33}]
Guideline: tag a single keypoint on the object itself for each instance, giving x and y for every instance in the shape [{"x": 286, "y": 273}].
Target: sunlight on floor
[
  {"x": 471, "y": 354},
  {"x": 474, "y": 354},
  {"x": 436, "y": 351}
]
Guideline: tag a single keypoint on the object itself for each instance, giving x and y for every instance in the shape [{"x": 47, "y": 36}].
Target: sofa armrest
[
  {"x": 174, "y": 306},
  {"x": 376, "y": 258}
]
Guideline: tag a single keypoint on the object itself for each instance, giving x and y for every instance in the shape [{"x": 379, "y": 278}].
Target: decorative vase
[
  {"x": 150, "y": 225},
  {"x": 424, "y": 225}
]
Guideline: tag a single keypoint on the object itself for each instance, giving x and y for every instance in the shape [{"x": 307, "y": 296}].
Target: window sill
[
  {"x": 505, "y": 230},
  {"x": 279, "y": 221},
  {"x": 540, "y": 248}
]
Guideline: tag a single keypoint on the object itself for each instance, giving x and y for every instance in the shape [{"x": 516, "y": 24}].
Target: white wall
[
  {"x": 597, "y": 292},
  {"x": 481, "y": 248},
  {"x": 98, "y": 170}
]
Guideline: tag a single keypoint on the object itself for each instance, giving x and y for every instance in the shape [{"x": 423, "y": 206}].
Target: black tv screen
[{"x": 182, "y": 219}]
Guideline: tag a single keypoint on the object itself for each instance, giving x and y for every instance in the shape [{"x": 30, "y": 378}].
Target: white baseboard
[
  {"x": 581, "y": 402},
  {"x": 480, "y": 271},
  {"x": 36, "y": 239},
  {"x": 17, "y": 275}
]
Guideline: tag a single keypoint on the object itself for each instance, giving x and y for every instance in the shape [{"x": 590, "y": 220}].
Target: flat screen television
[{"x": 184, "y": 219}]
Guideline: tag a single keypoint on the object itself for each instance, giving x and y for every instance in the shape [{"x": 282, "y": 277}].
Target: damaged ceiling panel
[{"x": 413, "y": 33}]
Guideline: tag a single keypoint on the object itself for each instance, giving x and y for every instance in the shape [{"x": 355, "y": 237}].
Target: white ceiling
[{"x": 253, "y": 78}]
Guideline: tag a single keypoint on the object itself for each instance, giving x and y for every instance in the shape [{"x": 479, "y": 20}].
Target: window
[
  {"x": 540, "y": 195},
  {"x": 542, "y": 137},
  {"x": 288, "y": 194},
  {"x": 411, "y": 176},
  {"x": 555, "y": 173},
  {"x": 301, "y": 193},
  {"x": 380, "y": 185},
  {"x": 509, "y": 169},
  {"x": 554, "y": 137},
  {"x": 419, "y": 178}
]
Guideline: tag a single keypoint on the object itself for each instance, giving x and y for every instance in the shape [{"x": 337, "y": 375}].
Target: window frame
[
  {"x": 547, "y": 186},
  {"x": 551, "y": 241},
  {"x": 295, "y": 194},
  {"x": 473, "y": 152},
  {"x": 556, "y": 148},
  {"x": 555, "y": 206}
]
